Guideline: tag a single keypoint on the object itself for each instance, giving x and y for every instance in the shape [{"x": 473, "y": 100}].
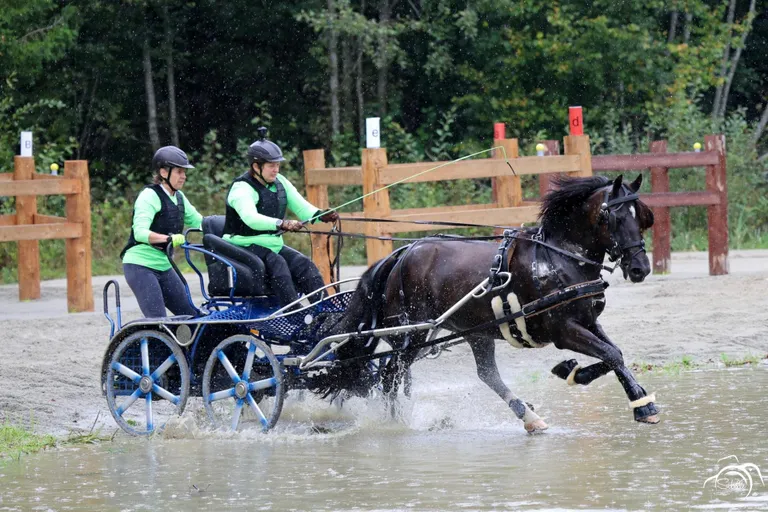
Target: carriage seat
[{"x": 250, "y": 269}]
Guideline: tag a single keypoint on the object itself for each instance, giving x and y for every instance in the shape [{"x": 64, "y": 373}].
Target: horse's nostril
[{"x": 636, "y": 272}]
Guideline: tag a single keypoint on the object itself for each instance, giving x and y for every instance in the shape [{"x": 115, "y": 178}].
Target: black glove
[{"x": 329, "y": 216}]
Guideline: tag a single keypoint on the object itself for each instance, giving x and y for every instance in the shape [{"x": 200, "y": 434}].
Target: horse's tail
[{"x": 363, "y": 313}]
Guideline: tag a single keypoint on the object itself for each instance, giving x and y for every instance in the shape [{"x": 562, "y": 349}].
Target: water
[{"x": 458, "y": 448}]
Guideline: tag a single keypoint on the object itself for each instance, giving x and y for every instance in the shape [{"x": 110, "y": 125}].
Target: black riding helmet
[
  {"x": 263, "y": 151},
  {"x": 169, "y": 157}
]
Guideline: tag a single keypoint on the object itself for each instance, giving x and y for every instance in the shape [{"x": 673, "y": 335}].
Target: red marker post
[
  {"x": 575, "y": 121},
  {"x": 499, "y": 131}
]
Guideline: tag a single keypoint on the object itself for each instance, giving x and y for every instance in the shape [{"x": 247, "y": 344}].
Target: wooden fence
[
  {"x": 27, "y": 227},
  {"x": 715, "y": 197},
  {"x": 508, "y": 207}
]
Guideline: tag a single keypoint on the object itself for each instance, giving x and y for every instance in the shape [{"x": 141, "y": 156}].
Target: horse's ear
[
  {"x": 635, "y": 185},
  {"x": 617, "y": 186}
]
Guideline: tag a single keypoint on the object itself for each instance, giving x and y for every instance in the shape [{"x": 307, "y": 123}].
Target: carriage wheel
[
  {"x": 146, "y": 365},
  {"x": 243, "y": 384}
]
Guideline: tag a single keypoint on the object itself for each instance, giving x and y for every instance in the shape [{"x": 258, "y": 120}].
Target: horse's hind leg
[
  {"x": 484, "y": 351},
  {"x": 595, "y": 343}
]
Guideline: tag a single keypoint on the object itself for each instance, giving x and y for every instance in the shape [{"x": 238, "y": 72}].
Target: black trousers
[
  {"x": 289, "y": 273},
  {"x": 156, "y": 290}
]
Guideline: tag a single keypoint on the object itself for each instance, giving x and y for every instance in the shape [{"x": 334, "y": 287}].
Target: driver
[{"x": 256, "y": 205}]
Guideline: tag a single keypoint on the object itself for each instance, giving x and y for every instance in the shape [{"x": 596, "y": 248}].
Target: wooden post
[
  {"x": 318, "y": 196},
  {"x": 375, "y": 205},
  {"x": 509, "y": 191},
  {"x": 717, "y": 215},
  {"x": 545, "y": 180},
  {"x": 499, "y": 135},
  {"x": 579, "y": 145},
  {"x": 78, "y": 250},
  {"x": 662, "y": 224},
  {"x": 29, "y": 250}
]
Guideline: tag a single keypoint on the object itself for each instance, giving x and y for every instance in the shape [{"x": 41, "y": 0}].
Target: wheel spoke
[
  {"x": 236, "y": 415},
  {"x": 228, "y": 366},
  {"x": 220, "y": 395},
  {"x": 129, "y": 402},
  {"x": 249, "y": 361},
  {"x": 127, "y": 372},
  {"x": 262, "y": 384},
  {"x": 150, "y": 426},
  {"x": 164, "y": 393},
  {"x": 144, "y": 356},
  {"x": 163, "y": 367},
  {"x": 257, "y": 410}
]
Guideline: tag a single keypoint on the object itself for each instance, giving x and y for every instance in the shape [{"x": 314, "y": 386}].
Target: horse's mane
[{"x": 569, "y": 196}]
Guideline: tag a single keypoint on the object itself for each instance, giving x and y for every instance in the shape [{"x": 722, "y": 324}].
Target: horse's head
[{"x": 621, "y": 218}]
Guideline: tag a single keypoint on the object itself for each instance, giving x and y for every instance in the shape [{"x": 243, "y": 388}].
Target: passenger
[
  {"x": 256, "y": 206},
  {"x": 159, "y": 215}
]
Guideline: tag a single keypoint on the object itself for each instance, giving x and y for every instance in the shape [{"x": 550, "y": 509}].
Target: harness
[{"x": 509, "y": 307}]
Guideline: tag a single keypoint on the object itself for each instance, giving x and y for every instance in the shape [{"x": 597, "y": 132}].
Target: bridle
[{"x": 608, "y": 210}]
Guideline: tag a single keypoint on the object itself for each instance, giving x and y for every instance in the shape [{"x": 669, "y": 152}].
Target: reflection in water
[{"x": 457, "y": 449}]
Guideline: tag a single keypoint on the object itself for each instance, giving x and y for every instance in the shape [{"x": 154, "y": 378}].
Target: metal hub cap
[
  {"x": 145, "y": 384},
  {"x": 241, "y": 389}
]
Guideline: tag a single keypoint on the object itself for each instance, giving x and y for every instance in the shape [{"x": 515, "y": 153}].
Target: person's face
[
  {"x": 269, "y": 171},
  {"x": 177, "y": 178}
]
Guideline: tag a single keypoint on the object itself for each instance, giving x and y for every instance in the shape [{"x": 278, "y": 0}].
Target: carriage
[{"x": 244, "y": 352}]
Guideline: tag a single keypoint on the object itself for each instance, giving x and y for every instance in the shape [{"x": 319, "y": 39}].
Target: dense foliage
[{"x": 111, "y": 81}]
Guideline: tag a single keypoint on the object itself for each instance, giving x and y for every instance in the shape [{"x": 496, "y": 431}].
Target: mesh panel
[{"x": 306, "y": 324}]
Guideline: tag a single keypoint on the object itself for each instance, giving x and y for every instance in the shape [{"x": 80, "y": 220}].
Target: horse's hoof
[
  {"x": 647, "y": 414},
  {"x": 564, "y": 369},
  {"x": 536, "y": 427}
]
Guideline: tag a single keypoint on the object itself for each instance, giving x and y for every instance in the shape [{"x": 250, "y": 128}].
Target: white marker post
[
  {"x": 26, "y": 143},
  {"x": 372, "y": 133}
]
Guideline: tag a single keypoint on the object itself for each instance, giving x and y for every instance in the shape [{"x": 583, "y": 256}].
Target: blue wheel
[
  {"x": 147, "y": 367},
  {"x": 243, "y": 384}
]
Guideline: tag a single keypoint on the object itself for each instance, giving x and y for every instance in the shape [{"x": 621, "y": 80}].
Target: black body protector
[
  {"x": 271, "y": 204},
  {"x": 169, "y": 220}
]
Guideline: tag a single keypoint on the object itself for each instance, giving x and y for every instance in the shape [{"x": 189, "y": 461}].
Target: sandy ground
[{"x": 50, "y": 360}]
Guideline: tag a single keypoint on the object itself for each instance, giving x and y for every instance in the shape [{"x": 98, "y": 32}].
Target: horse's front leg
[
  {"x": 595, "y": 343},
  {"x": 484, "y": 351}
]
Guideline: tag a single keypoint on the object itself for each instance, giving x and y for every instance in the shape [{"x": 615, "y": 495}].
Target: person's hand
[
  {"x": 330, "y": 216},
  {"x": 291, "y": 225},
  {"x": 176, "y": 240}
]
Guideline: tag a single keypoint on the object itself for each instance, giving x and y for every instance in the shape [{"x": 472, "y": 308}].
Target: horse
[{"x": 581, "y": 221}]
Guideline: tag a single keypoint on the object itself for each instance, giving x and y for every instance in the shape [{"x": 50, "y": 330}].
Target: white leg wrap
[
  {"x": 530, "y": 416},
  {"x": 569, "y": 380},
  {"x": 643, "y": 401}
]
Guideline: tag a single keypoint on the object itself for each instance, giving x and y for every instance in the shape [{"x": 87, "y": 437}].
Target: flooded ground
[{"x": 458, "y": 448}]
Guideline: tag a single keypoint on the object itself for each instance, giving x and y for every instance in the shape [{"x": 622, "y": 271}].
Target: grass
[
  {"x": 16, "y": 440},
  {"x": 687, "y": 363}
]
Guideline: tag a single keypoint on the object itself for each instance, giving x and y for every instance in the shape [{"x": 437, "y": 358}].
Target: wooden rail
[{"x": 27, "y": 227}]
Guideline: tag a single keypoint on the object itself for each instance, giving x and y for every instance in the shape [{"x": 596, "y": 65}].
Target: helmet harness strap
[{"x": 168, "y": 179}]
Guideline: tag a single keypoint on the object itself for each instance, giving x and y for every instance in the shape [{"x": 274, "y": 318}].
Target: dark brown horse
[{"x": 581, "y": 221}]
